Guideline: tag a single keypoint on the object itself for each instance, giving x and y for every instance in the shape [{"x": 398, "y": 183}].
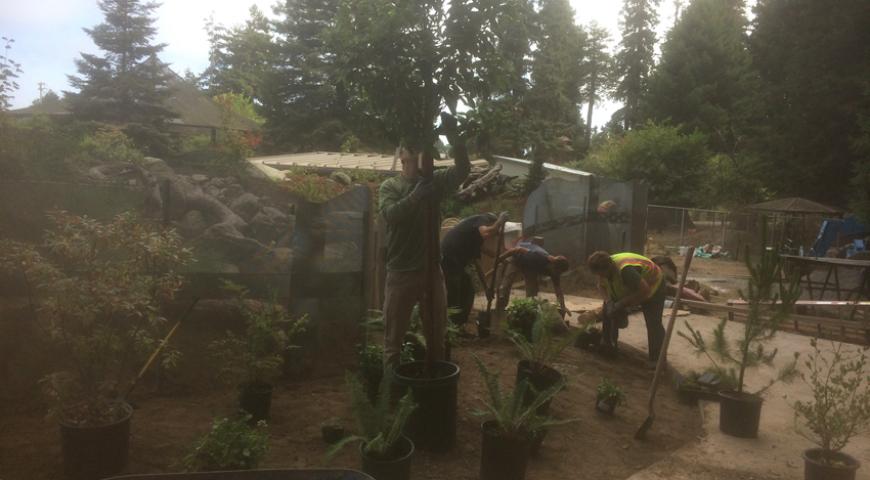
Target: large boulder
[
  {"x": 246, "y": 205},
  {"x": 193, "y": 223}
]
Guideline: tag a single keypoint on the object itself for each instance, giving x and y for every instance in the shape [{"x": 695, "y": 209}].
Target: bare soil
[{"x": 165, "y": 425}]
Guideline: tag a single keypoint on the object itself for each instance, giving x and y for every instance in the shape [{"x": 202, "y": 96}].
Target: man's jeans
[{"x": 403, "y": 291}]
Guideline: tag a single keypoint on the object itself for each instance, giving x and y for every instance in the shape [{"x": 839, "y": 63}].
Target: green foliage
[
  {"x": 240, "y": 59},
  {"x": 231, "y": 444},
  {"x": 770, "y": 300},
  {"x": 544, "y": 347},
  {"x": 110, "y": 145},
  {"x": 9, "y": 70},
  {"x": 673, "y": 164},
  {"x": 128, "y": 83},
  {"x": 610, "y": 392},
  {"x": 512, "y": 414},
  {"x": 522, "y": 312},
  {"x": 840, "y": 405},
  {"x": 634, "y": 60},
  {"x": 379, "y": 426},
  {"x": 96, "y": 291},
  {"x": 312, "y": 187},
  {"x": 39, "y": 147},
  {"x": 598, "y": 68},
  {"x": 257, "y": 356}
]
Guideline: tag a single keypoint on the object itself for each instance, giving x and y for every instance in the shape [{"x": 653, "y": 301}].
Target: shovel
[
  {"x": 483, "y": 318},
  {"x": 660, "y": 364}
]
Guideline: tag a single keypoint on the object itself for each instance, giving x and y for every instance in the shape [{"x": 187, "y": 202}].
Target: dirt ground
[{"x": 596, "y": 447}]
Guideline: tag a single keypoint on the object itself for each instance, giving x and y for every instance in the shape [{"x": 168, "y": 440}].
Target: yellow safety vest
[{"x": 650, "y": 273}]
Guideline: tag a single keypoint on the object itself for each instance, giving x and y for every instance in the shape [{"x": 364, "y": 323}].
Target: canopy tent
[{"x": 789, "y": 221}]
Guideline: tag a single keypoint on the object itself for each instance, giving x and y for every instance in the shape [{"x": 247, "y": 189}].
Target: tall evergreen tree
[
  {"x": 240, "y": 58},
  {"x": 704, "y": 80},
  {"x": 813, "y": 57},
  {"x": 128, "y": 83},
  {"x": 554, "y": 99},
  {"x": 598, "y": 73},
  {"x": 634, "y": 61}
]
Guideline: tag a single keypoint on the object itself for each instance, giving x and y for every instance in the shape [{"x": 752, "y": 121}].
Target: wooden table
[{"x": 807, "y": 265}]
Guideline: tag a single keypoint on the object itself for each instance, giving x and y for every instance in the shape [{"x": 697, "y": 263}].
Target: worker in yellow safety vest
[{"x": 628, "y": 280}]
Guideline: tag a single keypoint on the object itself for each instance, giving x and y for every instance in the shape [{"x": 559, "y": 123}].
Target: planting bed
[{"x": 597, "y": 447}]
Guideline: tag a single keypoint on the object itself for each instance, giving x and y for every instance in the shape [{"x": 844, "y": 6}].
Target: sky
[{"x": 48, "y": 35}]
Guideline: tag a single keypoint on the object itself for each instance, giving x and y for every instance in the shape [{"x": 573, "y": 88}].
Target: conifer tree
[{"x": 634, "y": 61}]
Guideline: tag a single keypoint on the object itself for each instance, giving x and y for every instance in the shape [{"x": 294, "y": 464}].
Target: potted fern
[
  {"x": 96, "y": 291},
  {"x": 608, "y": 396},
  {"x": 838, "y": 410},
  {"x": 254, "y": 360},
  {"x": 384, "y": 451},
  {"x": 231, "y": 444},
  {"x": 770, "y": 300},
  {"x": 521, "y": 315},
  {"x": 508, "y": 436}
]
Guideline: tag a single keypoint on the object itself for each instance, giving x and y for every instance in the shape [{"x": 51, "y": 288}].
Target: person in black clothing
[
  {"x": 461, "y": 247},
  {"x": 531, "y": 261}
]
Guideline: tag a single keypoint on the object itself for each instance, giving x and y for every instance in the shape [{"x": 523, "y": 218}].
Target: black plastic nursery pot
[
  {"x": 839, "y": 466},
  {"x": 540, "y": 377},
  {"x": 256, "y": 400},
  {"x": 606, "y": 406},
  {"x": 396, "y": 466},
  {"x": 588, "y": 340},
  {"x": 739, "y": 414},
  {"x": 503, "y": 457},
  {"x": 432, "y": 426},
  {"x": 91, "y": 453},
  {"x": 307, "y": 474}
]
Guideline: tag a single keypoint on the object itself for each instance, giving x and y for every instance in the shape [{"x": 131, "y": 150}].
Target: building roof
[
  {"x": 193, "y": 107},
  {"x": 336, "y": 160},
  {"x": 794, "y": 205},
  {"x": 547, "y": 166}
]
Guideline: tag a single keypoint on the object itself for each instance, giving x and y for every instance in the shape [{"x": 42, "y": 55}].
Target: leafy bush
[
  {"x": 39, "y": 147},
  {"x": 380, "y": 428},
  {"x": 312, "y": 187},
  {"x": 674, "y": 165},
  {"x": 522, "y": 313},
  {"x": 544, "y": 347},
  {"x": 610, "y": 392},
  {"x": 840, "y": 406},
  {"x": 770, "y": 301},
  {"x": 512, "y": 414},
  {"x": 256, "y": 357},
  {"x": 231, "y": 444},
  {"x": 96, "y": 290},
  {"x": 110, "y": 144}
]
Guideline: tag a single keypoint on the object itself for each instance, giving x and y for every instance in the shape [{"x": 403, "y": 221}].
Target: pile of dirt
[{"x": 595, "y": 447}]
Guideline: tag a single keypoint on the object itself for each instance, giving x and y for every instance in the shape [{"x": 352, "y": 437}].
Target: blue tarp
[{"x": 831, "y": 229}]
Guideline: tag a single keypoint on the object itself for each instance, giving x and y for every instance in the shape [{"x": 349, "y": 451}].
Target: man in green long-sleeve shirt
[{"x": 402, "y": 201}]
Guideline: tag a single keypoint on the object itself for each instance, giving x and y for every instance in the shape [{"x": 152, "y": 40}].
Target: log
[{"x": 469, "y": 191}]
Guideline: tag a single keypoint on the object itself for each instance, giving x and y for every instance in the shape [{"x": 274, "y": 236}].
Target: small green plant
[
  {"x": 544, "y": 347},
  {"x": 96, "y": 291},
  {"x": 607, "y": 391},
  {"x": 231, "y": 444},
  {"x": 256, "y": 357},
  {"x": 312, "y": 187},
  {"x": 840, "y": 405},
  {"x": 522, "y": 313},
  {"x": 510, "y": 411},
  {"x": 770, "y": 301},
  {"x": 110, "y": 144},
  {"x": 380, "y": 427}
]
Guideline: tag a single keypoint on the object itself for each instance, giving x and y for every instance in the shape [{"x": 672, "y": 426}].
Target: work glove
[{"x": 422, "y": 190}]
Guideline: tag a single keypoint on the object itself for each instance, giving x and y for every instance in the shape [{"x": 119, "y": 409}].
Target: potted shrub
[
  {"x": 770, "y": 301},
  {"x": 254, "y": 360},
  {"x": 96, "y": 290},
  {"x": 508, "y": 436},
  {"x": 838, "y": 410},
  {"x": 231, "y": 444},
  {"x": 384, "y": 451},
  {"x": 521, "y": 315},
  {"x": 608, "y": 396}
]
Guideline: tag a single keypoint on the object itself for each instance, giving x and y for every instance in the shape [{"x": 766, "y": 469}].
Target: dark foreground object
[
  {"x": 313, "y": 474},
  {"x": 396, "y": 467},
  {"x": 432, "y": 426},
  {"x": 816, "y": 469},
  {"x": 502, "y": 457},
  {"x": 739, "y": 414},
  {"x": 91, "y": 453}
]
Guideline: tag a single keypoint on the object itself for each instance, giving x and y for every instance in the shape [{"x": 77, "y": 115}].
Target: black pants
[
  {"x": 652, "y": 315},
  {"x": 460, "y": 294}
]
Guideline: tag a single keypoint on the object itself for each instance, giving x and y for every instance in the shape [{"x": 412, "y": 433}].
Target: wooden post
[{"x": 430, "y": 264}]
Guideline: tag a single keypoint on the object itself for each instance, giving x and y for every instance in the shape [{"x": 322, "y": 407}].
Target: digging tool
[
  {"x": 660, "y": 364},
  {"x": 160, "y": 348},
  {"x": 483, "y": 318}
]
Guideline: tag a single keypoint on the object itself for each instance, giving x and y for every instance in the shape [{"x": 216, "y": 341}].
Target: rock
[
  {"x": 275, "y": 215},
  {"x": 193, "y": 222},
  {"x": 198, "y": 178},
  {"x": 246, "y": 205},
  {"x": 156, "y": 166},
  {"x": 232, "y": 190},
  {"x": 132, "y": 182}
]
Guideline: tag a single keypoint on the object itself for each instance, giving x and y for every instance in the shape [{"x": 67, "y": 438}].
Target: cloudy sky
[{"x": 48, "y": 35}]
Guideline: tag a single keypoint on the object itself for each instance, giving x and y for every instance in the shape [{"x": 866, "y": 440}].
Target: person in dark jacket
[{"x": 530, "y": 260}]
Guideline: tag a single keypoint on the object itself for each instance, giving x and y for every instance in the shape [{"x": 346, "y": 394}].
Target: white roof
[
  {"x": 547, "y": 166},
  {"x": 365, "y": 161}
]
